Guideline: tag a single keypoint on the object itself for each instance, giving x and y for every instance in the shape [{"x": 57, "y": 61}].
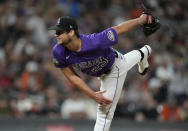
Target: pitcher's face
[{"x": 62, "y": 37}]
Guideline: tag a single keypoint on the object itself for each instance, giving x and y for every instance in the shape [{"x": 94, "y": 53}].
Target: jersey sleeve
[
  {"x": 59, "y": 58},
  {"x": 105, "y": 38}
]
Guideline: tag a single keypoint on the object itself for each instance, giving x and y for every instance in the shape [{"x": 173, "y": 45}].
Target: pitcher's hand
[
  {"x": 142, "y": 19},
  {"x": 99, "y": 98}
]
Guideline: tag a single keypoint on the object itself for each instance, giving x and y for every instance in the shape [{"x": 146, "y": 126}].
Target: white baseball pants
[{"x": 113, "y": 84}]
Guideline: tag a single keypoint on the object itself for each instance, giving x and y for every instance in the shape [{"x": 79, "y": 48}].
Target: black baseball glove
[{"x": 151, "y": 26}]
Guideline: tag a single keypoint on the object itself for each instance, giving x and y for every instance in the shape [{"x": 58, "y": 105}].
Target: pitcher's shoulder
[{"x": 58, "y": 50}]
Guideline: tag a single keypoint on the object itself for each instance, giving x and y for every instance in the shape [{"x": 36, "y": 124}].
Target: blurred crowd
[{"x": 30, "y": 85}]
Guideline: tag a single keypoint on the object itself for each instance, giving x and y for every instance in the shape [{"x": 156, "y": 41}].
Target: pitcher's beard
[{"x": 65, "y": 43}]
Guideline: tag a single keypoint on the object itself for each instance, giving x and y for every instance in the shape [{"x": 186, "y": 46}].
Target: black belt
[{"x": 108, "y": 71}]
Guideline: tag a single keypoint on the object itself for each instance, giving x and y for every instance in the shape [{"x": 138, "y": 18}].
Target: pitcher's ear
[{"x": 72, "y": 33}]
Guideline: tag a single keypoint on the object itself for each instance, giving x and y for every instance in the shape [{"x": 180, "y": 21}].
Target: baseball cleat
[{"x": 143, "y": 65}]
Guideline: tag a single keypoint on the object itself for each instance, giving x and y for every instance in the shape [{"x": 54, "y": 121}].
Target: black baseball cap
[{"x": 65, "y": 24}]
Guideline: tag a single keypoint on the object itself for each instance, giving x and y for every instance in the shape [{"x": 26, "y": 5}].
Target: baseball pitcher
[{"x": 92, "y": 54}]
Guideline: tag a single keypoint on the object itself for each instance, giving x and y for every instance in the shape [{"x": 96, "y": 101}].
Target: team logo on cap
[{"x": 111, "y": 36}]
